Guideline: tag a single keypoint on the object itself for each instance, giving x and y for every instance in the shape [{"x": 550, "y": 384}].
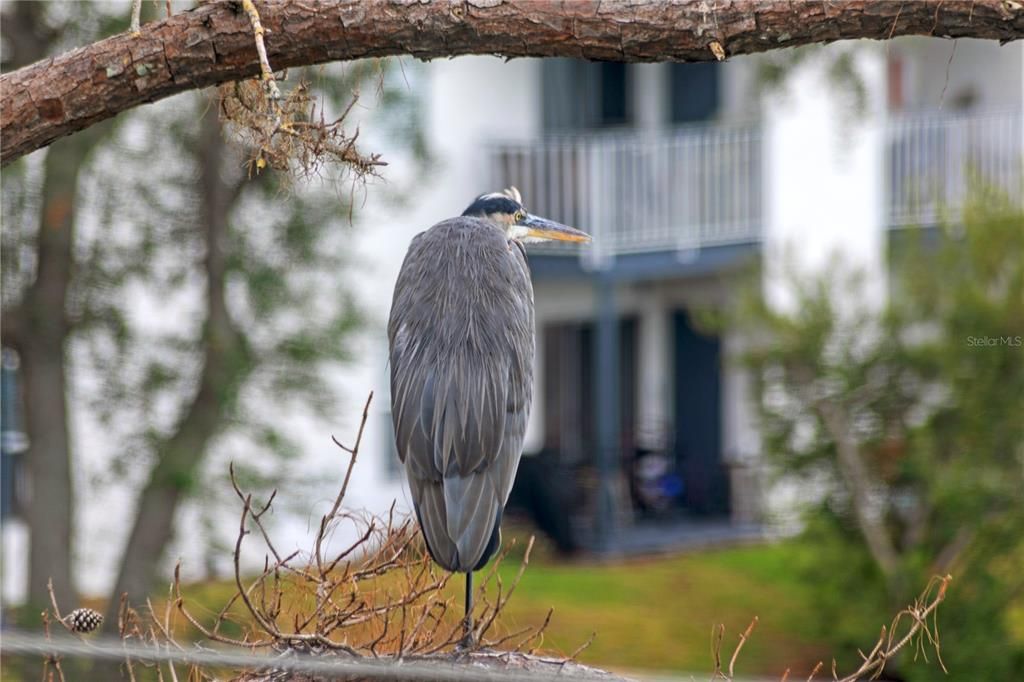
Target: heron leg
[{"x": 468, "y": 641}]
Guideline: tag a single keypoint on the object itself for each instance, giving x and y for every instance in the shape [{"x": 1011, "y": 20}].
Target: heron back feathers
[{"x": 461, "y": 340}]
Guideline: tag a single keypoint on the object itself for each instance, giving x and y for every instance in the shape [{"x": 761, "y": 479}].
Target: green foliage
[
  {"x": 773, "y": 70},
  {"x": 844, "y": 583},
  {"x": 926, "y": 393}
]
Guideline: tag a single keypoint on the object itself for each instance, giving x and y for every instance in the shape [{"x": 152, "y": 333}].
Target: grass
[{"x": 658, "y": 613}]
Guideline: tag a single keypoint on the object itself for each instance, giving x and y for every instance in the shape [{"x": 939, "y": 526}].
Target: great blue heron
[{"x": 461, "y": 351}]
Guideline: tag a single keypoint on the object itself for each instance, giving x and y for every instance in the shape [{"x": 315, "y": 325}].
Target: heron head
[{"x": 505, "y": 209}]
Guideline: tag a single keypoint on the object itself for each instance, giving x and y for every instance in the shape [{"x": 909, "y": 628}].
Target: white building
[{"x": 683, "y": 174}]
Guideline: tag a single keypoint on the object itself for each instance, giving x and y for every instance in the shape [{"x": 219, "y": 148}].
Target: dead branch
[
  {"x": 291, "y": 134},
  {"x": 887, "y": 646},
  {"x": 328, "y": 519},
  {"x": 136, "y": 14},
  {"x": 743, "y": 640},
  {"x": 377, "y": 597},
  {"x": 266, "y": 73}
]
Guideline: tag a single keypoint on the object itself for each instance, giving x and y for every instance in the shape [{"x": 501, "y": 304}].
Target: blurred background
[{"x": 786, "y": 379}]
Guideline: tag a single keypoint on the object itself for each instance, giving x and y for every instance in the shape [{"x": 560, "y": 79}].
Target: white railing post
[{"x": 933, "y": 158}]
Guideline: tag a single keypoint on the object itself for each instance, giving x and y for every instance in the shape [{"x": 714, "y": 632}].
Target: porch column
[
  {"x": 654, "y": 375},
  {"x": 606, "y": 404},
  {"x": 741, "y": 439},
  {"x": 824, "y": 179}
]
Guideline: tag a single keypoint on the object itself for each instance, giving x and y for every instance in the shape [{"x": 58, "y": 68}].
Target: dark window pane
[
  {"x": 693, "y": 91},
  {"x": 580, "y": 95},
  {"x": 614, "y": 93}
]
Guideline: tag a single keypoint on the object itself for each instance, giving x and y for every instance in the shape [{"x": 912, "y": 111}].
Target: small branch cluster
[
  {"x": 717, "y": 635},
  {"x": 292, "y": 135},
  {"x": 918, "y": 623},
  {"x": 288, "y": 133},
  {"x": 921, "y": 619},
  {"x": 153, "y": 632},
  {"x": 378, "y": 597}
]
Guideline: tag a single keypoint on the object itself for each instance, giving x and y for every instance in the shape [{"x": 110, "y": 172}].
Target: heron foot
[{"x": 468, "y": 641}]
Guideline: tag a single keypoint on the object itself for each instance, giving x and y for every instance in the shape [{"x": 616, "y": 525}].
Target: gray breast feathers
[{"x": 461, "y": 342}]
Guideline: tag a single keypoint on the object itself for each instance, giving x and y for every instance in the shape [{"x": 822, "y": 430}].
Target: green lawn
[{"x": 657, "y": 613}]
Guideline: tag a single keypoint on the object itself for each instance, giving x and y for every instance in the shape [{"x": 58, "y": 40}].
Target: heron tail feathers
[{"x": 460, "y": 519}]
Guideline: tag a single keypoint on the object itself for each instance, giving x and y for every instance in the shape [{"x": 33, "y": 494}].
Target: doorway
[{"x": 698, "y": 419}]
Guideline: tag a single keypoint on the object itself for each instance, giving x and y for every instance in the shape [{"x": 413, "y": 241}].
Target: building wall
[
  {"x": 824, "y": 169},
  {"x": 982, "y": 75}
]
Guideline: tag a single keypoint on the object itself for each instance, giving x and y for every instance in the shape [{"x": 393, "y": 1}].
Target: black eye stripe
[{"x": 489, "y": 204}]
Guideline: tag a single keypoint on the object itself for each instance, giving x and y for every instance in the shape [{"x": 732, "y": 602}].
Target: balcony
[
  {"x": 934, "y": 159},
  {"x": 637, "y": 192}
]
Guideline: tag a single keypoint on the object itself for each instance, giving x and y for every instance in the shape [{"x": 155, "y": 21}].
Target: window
[
  {"x": 693, "y": 91},
  {"x": 582, "y": 95}
]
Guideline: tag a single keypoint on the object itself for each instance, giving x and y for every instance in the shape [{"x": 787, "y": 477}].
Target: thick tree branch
[{"x": 214, "y": 43}]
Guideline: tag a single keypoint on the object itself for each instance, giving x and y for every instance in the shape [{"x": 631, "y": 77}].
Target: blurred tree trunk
[
  {"x": 45, "y": 332},
  {"x": 855, "y": 470},
  {"x": 42, "y": 333},
  {"x": 226, "y": 364},
  {"x": 38, "y": 328},
  {"x": 214, "y": 43}
]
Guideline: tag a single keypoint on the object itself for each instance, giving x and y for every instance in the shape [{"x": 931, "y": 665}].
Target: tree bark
[
  {"x": 226, "y": 363},
  {"x": 214, "y": 43}
]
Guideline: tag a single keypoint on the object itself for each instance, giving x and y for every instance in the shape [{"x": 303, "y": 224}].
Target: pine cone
[{"x": 83, "y": 620}]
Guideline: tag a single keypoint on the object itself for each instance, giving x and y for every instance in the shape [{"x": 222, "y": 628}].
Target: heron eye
[{"x": 520, "y": 215}]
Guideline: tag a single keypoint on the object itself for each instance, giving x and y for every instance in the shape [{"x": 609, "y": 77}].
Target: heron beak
[{"x": 542, "y": 228}]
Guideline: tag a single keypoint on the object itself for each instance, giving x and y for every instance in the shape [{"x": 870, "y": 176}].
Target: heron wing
[{"x": 461, "y": 341}]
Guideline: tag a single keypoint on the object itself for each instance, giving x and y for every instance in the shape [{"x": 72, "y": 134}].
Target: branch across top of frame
[{"x": 213, "y": 44}]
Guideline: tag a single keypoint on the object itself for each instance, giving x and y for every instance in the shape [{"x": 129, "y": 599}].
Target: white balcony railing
[
  {"x": 640, "y": 192},
  {"x": 934, "y": 159}
]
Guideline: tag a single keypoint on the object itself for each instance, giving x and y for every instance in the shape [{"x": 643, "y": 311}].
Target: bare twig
[
  {"x": 354, "y": 452},
  {"x": 51, "y": 658},
  {"x": 887, "y": 646},
  {"x": 266, "y": 73},
  {"x": 717, "y": 634},
  {"x": 136, "y": 15},
  {"x": 502, "y": 602},
  {"x": 582, "y": 647},
  {"x": 744, "y": 636}
]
